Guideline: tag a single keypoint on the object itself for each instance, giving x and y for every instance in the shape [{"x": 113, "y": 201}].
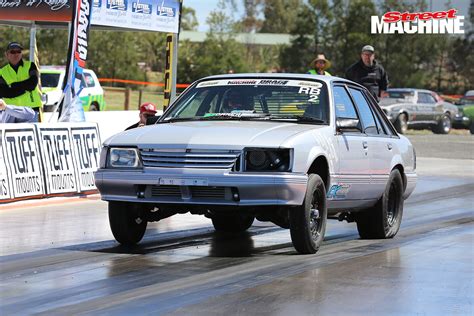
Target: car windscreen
[
  {"x": 49, "y": 80},
  {"x": 400, "y": 94},
  {"x": 254, "y": 99}
]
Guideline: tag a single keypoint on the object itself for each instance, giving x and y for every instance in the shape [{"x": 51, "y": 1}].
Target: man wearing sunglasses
[{"x": 19, "y": 80}]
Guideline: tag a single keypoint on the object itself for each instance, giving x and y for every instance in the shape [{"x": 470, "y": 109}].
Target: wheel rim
[
  {"x": 315, "y": 217},
  {"x": 392, "y": 207}
]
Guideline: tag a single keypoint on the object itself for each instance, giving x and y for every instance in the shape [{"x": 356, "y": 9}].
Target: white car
[
  {"x": 91, "y": 95},
  {"x": 292, "y": 149}
]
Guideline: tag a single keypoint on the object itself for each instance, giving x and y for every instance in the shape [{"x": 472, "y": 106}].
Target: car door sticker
[{"x": 338, "y": 191}]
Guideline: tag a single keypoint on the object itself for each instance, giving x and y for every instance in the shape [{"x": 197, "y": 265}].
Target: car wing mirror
[
  {"x": 344, "y": 124},
  {"x": 152, "y": 119}
]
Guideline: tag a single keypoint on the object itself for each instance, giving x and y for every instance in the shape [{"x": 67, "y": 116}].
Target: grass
[{"x": 115, "y": 99}]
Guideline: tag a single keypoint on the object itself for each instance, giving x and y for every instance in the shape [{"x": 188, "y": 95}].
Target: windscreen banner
[{"x": 71, "y": 109}]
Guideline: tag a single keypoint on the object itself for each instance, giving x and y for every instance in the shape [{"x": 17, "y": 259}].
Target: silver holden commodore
[{"x": 287, "y": 148}]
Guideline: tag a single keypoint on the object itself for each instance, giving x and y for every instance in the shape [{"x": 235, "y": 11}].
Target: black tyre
[
  {"x": 308, "y": 221},
  {"x": 444, "y": 125},
  {"x": 94, "y": 107},
  {"x": 471, "y": 128},
  {"x": 232, "y": 223},
  {"x": 126, "y": 222},
  {"x": 384, "y": 219},
  {"x": 401, "y": 123}
]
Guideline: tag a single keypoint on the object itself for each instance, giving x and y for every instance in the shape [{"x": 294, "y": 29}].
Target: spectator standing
[
  {"x": 369, "y": 72},
  {"x": 16, "y": 114},
  {"x": 147, "y": 110},
  {"x": 19, "y": 80},
  {"x": 320, "y": 64}
]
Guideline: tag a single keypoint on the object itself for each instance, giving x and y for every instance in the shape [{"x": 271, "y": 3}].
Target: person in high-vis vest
[
  {"x": 320, "y": 64},
  {"x": 19, "y": 80}
]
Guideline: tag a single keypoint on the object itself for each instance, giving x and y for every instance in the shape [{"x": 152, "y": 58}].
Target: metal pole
[{"x": 32, "y": 41}]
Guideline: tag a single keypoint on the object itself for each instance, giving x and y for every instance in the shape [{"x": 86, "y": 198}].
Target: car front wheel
[
  {"x": 384, "y": 219},
  {"x": 444, "y": 125},
  {"x": 126, "y": 222},
  {"x": 401, "y": 124},
  {"x": 308, "y": 221}
]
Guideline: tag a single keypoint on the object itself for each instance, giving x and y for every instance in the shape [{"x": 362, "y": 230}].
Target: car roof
[
  {"x": 297, "y": 76},
  {"x": 409, "y": 89},
  {"x": 56, "y": 69}
]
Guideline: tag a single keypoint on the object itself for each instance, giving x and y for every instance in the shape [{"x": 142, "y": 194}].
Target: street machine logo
[{"x": 439, "y": 22}]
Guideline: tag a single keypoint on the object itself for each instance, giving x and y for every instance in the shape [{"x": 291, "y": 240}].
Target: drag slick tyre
[
  {"x": 384, "y": 219},
  {"x": 232, "y": 223},
  {"x": 126, "y": 222},
  {"x": 308, "y": 221}
]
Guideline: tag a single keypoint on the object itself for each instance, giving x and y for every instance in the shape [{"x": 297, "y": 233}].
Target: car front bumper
[
  {"x": 461, "y": 122},
  {"x": 201, "y": 187}
]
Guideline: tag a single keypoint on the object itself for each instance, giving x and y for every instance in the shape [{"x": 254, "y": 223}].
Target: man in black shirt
[{"x": 368, "y": 72}]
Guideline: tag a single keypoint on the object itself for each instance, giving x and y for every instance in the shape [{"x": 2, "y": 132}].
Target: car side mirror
[
  {"x": 344, "y": 124},
  {"x": 44, "y": 98},
  {"x": 152, "y": 119}
]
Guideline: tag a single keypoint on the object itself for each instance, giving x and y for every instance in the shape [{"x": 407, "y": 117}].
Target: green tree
[{"x": 280, "y": 15}]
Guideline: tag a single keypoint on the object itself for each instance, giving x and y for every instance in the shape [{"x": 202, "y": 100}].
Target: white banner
[
  {"x": 149, "y": 15},
  {"x": 58, "y": 158},
  {"x": 5, "y": 186},
  {"x": 23, "y": 160},
  {"x": 86, "y": 147}
]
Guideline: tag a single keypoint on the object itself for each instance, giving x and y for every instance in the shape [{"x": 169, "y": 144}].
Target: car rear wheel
[
  {"x": 232, "y": 223},
  {"x": 384, "y": 219},
  {"x": 126, "y": 222},
  {"x": 471, "y": 128},
  {"x": 444, "y": 125},
  {"x": 308, "y": 221},
  {"x": 94, "y": 107},
  {"x": 401, "y": 123}
]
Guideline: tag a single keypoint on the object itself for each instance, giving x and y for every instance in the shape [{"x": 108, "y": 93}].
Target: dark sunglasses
[{"x": 14, "y": 52}]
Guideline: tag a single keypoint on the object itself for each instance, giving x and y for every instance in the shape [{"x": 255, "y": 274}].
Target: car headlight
[
  {"x": 267, "y": 160},
  {"x": 123, "y": 158}
]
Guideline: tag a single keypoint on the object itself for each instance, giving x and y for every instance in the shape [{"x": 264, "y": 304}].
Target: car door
[
  {"x": 379, "y": 140},
  {"x": 352, "y": 175},
  {"x": 428, "y": 108}
]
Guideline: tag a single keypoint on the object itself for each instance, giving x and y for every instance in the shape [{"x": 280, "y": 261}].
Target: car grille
[
  {"x": 190, "y": 159},
  {"x": 197, "y": 192}
]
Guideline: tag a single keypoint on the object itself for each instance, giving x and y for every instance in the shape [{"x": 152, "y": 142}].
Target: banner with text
[
  {"x": 86, "y": 148},
  {"x": 5, "y": 186},
  {"x": 149, "y": 15},
  {"x": 22, "y": 158},
  {"x": 58, "y": 158}
]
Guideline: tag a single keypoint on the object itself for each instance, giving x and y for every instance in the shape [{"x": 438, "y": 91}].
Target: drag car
[
  {"x": 418, "y": 109},
  {"x": 287, "y": 148}
]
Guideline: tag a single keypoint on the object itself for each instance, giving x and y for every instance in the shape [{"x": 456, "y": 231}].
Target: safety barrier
[{"x": 39, "y": 160}]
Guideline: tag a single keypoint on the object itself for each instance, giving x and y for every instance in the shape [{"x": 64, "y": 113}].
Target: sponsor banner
[
  {"x": 86, "y": 148},
  {"x": 149, "y": 15},
  {"x": 71, "y": 108},
  {"x": 36, "y": 10},
  {"x": 23, "y": 160},
  {"x": 58, "y": 158},
  {"x": 5, "y": 187}
]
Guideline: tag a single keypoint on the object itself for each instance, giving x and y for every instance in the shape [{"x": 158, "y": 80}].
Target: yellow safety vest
[
  {"x": 313, "y": 72},
  {"x": 31, "y": 99}
]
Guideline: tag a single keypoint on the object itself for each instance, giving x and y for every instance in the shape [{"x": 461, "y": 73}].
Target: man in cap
[
  {"x": 368, "y": 72},
  {"x": 19, "y": 80},
  {"x": 147, "y": 110},
  {"x": 320, "y": 64}
]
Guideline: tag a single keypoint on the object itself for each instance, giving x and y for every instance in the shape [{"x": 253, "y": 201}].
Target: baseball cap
[
  {"x": 14, "y": 45},
  {"x": 148, "y": 107},
  {"x": 368, "y": 48}
]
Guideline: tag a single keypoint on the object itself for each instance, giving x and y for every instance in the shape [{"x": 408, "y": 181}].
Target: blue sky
[{"x": 204, "y": 7}]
